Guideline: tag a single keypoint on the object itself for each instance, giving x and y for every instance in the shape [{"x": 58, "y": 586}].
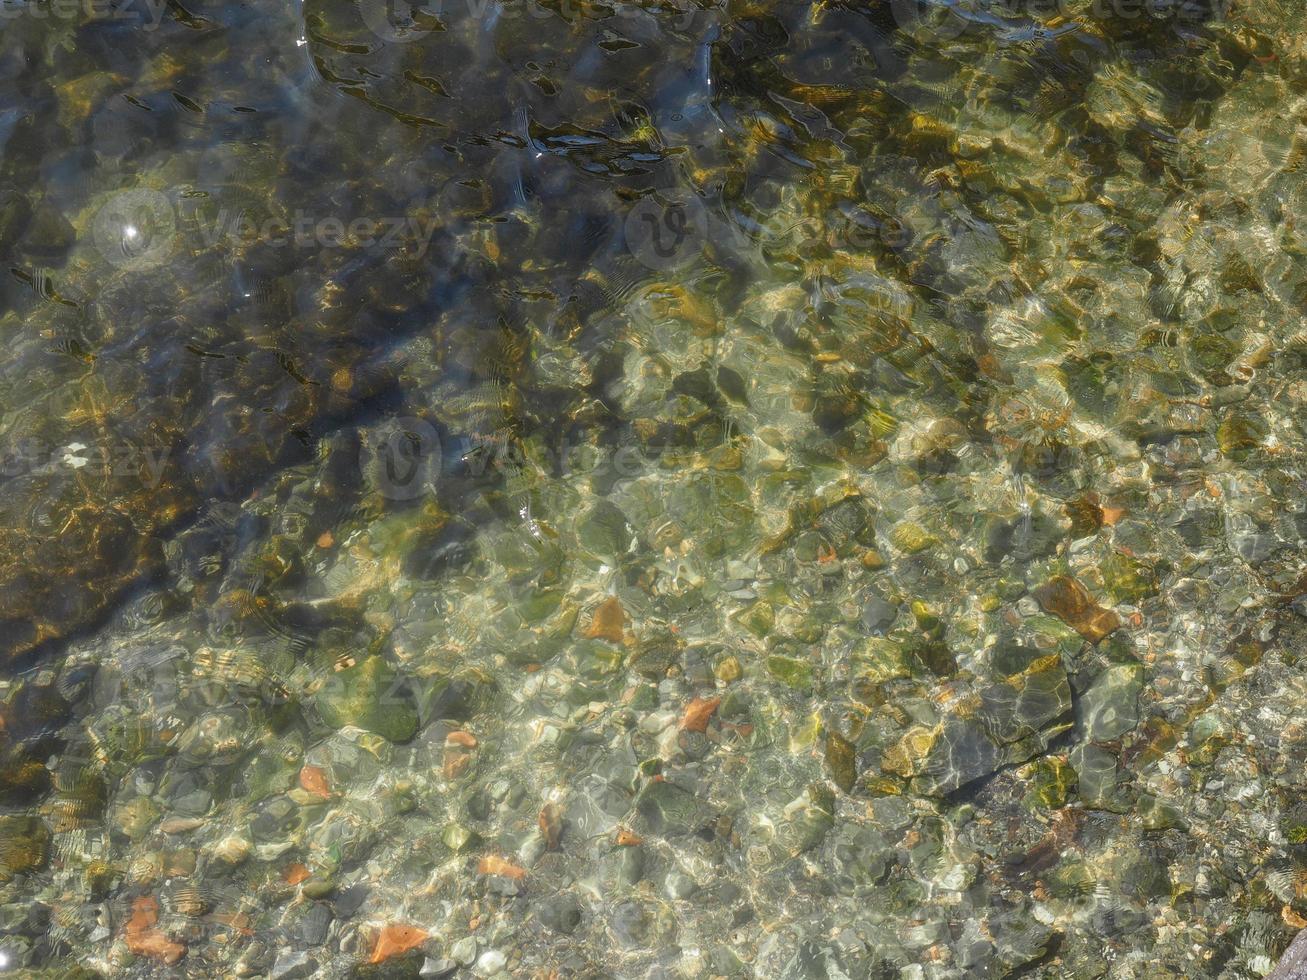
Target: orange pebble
[{"x": 395, "y": 940}]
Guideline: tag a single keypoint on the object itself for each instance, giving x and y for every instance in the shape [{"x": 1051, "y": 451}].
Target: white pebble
[{"x": 491, "y": 962}]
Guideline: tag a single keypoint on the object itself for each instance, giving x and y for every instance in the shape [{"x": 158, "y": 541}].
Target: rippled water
[{"x": 650, "y": 490}]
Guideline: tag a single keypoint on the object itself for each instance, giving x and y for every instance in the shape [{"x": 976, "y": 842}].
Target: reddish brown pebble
[
  {"x": 143, "y": 936},
  {"x": 551, "y": 824},
  {"x": 491, "y": 865},
  {"x": 314, "y": 780},
  {"x": 293, "y": 874},
  {"x": 697, "y": 713},
  {"x": 395, "y": 940},
  {"x": 608, "y": 622},
  {"x": 1070, "y": 602}
]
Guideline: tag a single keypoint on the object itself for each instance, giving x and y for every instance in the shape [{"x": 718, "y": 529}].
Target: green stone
[
  {"x": 369, "y": 695},
  {"x": 668, "y": 810},
  {"x": 877, "y": 660},
  {"x": 1018, "y": 939},
  {"x": 1097, "y": 777},
  {"x": 630, "y": 865},
  {"x": 791, "y": 671},
  {"x": 912, "y": 537},
  {"x": 961, "y": 752},
  {"x": 603, "y": 530},
  {"x": 926, "y": 618},
  {"x": 812, "y": 821},
  {"x": 841, "y": 761},
  {"x": 1238, "y": 434},
  {"x": 727, "y": 669},
  {"x": 24, "y": 845},
  {"x": 1110, "y": 707},
  {"x": 1028, "y": 702},
  {"x": 1070, "y": 880},
  {"x": 1294, "y": 823},
  {"x": 457, "y": 837},
  {"x": 1156, "y": 814},
  {"x": 592, "y": 660},
  {"x": 1050, "y": 781},
  {"x": 319, "y": 886},
  {"x": 758, "y": 618},
  {"x": 135, "y": 817},
  {"x": 1127, "y": 579}
]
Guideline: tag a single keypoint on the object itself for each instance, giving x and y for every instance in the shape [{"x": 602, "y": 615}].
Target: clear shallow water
[{"x": 752, "y": 490}]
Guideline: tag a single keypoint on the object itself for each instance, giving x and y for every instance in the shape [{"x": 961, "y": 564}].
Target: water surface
[{"x": 665, "y": 489}]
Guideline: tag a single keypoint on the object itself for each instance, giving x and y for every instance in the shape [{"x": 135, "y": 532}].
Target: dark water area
[{"x": 652, "y": 490}]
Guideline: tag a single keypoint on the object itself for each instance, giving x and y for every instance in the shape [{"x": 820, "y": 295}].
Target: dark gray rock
[
  {"x": 631, "y": 924},
  {"x": 350, "y": 900},
  {"x": 311, "y": 929},
  {"x": 560, "y": 913},
  {"x": 878, "y": 613},
  {"x": 669, "y": 810},
  {"x": 1293, "y": 964},
  {"x": 293, "y": 966}
]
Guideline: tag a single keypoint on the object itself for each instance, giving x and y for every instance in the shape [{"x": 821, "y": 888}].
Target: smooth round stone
[
  {"x": 878, "y": 614},
  {"x": 274, "y": 820},
  {"x": 491, "y": 962},
  {"x": 630, "y": 866},
  {"x": 464, "y": 951},
  {"x": 219, "y": 737},
  {"x": 680, "y": 886},
  {"x": 631, "y": 924},
  {"x": 560, "y": 913}
]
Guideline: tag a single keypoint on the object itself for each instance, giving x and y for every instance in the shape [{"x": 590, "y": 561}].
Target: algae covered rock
[
  {"x": 988, "y": 727},
  {"x": 841, "y": 761},
  {"x": 961, "y": 752},
  {"x": 369, "y": 695},
  {"x": 1070, "y": 602},
  {"x": 24, "y": 845},
  {"x": 671, "y": 811}
]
